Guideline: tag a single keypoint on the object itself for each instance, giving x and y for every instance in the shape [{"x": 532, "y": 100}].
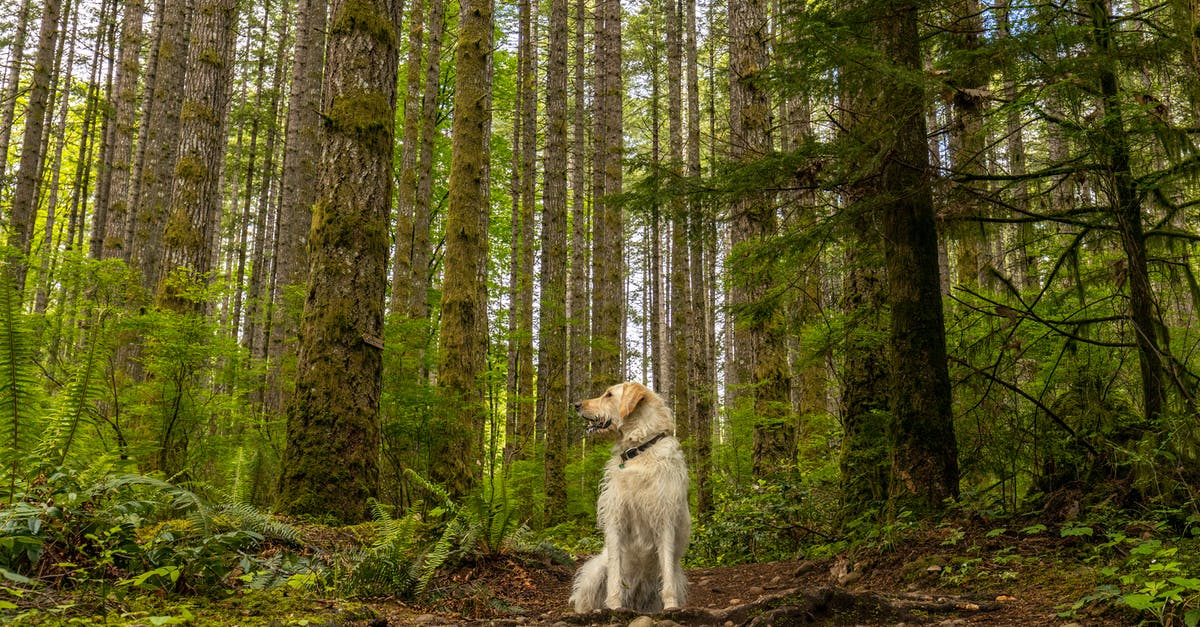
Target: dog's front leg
[
  {"x": 616, "y": 583},
  {"x": 668, "y": 565}
]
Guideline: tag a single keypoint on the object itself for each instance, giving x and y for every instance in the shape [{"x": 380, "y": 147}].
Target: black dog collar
[{"x": 630, "y": 453}]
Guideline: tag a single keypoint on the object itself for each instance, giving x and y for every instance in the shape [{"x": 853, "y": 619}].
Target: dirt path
[{"x": 899, "y": 587}]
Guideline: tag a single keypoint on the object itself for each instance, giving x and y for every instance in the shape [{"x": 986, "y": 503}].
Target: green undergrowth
[{"x": 100, "y": 546}]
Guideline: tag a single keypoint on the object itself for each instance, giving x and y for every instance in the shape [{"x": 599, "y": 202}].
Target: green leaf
[
  {"x": 1192, "y": 617},
  {"x": 1033, "y": 530},
  {"x": 14, "y": 577},
  {"x": 7, "y": 605},
  {"x": 996, "y": 532},
  {"x": 1067, "y": 532},
  {"x": 1143, "y": 602}
]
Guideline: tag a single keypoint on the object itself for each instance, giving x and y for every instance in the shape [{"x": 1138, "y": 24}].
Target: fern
[
  {"x": 18, "y": 383},
  {"x": 247, "y": 517},
  {"x": 181, "y": 499},
  {"x": 390, "y": 565},
  {"x": 77, "y": 403}
]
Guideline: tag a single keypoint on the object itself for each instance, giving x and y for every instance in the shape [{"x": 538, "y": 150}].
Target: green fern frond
[
  {"x": 249, "y": 518},
  {"x": 433, "y": 489},
  {"x": 181, "y": 499},
  {"x": 18, "y": 383},
  {"x": 77, "y": 402},
  {"x": 438, "y": 554}
]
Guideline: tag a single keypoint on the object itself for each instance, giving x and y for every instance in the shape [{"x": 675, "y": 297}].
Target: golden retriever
[{"x": 642, "y": 509}]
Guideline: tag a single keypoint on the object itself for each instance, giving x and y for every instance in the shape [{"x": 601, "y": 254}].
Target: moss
[
  {"x": 180, "y": 233},
  {"x": 365, "y": 116},
  {"x": 212, "y": 57},
  {"x": 190, "y": 168},
  {"x": 364, "y": 16},
  {"x": 194, "y": 110}
]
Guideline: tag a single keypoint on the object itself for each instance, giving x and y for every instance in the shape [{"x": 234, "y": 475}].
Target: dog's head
[{"x": 612, "y": 410}]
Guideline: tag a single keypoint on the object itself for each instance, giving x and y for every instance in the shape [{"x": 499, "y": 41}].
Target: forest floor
[
  {"x": 966, "y": 572},
  {"x": 952, "y": 575}
]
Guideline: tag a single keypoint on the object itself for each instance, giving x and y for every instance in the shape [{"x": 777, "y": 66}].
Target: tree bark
[
  {"x": 331, "y": 462},
  {"x": 552, "y": 331},
  {"x": 925, "y": 451},
  {"x": 160, "y": 140},
  {"x": 195, "y": 210},
  {"x": 302, "y": 151},
  {"x": 608, "y": 265},
  {"x": 24, "y": 199},
  {"x": 120, "y": 156},
  {"x": 456, "y": 445}
]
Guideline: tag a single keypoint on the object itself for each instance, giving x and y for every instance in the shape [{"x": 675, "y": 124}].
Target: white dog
[{"x": 643, "y": 507}]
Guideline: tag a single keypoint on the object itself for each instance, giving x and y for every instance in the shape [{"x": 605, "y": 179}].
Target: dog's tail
[{"x": 589, "y": 590}]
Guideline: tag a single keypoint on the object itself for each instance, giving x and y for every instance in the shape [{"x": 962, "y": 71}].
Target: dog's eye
[{"x": 607, "y": 394}]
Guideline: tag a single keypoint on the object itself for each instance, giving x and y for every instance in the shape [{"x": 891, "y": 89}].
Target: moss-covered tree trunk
[
  {"x": 608, "y": 263},
  {"x": 302, "y": 150},
  {"x": 120, "y": 154},
  {"x": 1123, "y": 197},
  {"x": 578, "y": 310},
  {"x": 159, "y": 143},
  {"x": 703, "y": 355},
  {"x": 406, "y": 192},
  {"x": 552, "y": 331},
  {"x": 331, "y": 461},
  {"x": 418, "y": 304},
  {"x": 12, "y": 82},
  {"x": 925, "y": 451},
  {"x": 456, "y": 455},
  {"x": 194, "y": 217},
  {"x": 25, "y": 196},
  {"x": 760, "y": 348}
]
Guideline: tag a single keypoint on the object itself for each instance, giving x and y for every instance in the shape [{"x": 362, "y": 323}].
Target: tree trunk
[
  {"x": 24, "y": 199},
  {"x": 195, "y": 211},
  {"x": 925, "y": 453},
  {"x": 12, "y": 85},
  {"x": 1113, "y": 148},
  {"x": 333, "y": 440},
  {"x": 160, "y": 140},
  {"x": 418, "y": 306},
  {"x": 302, "y": 151},
  {"x": 552, "y": 331},
  {"x": 608, "y": 264},
  {"x": 760, "y": 349},
  {"x": 456, "y": 447},
  {"x": 578, "y": 378},
  {"x": 406, "y": 195},
  {"x": 120, "y": 156}
]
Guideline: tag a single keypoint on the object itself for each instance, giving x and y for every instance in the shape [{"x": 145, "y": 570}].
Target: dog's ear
[{"x": 631, "y": 395}]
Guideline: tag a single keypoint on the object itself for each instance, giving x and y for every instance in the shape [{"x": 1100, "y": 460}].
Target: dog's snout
[{"x": 578, "y": 405}]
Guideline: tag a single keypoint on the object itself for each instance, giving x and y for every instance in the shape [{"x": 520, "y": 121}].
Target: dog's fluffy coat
[{"x": 642, "y": 510}]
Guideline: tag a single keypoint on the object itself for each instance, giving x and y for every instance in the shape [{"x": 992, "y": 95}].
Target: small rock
[
  {"x": 755, "y": 591},
  {"x": 1004, "y": 598},
  {"x": 934, "y": 569},
  {"x": 642, "y": 621},
  {"x": 728, "y": 623},
  {"x": 776, "y": 579},
  {"x": 733, "y": 602},
  {"x": 426, "y": 619}
]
